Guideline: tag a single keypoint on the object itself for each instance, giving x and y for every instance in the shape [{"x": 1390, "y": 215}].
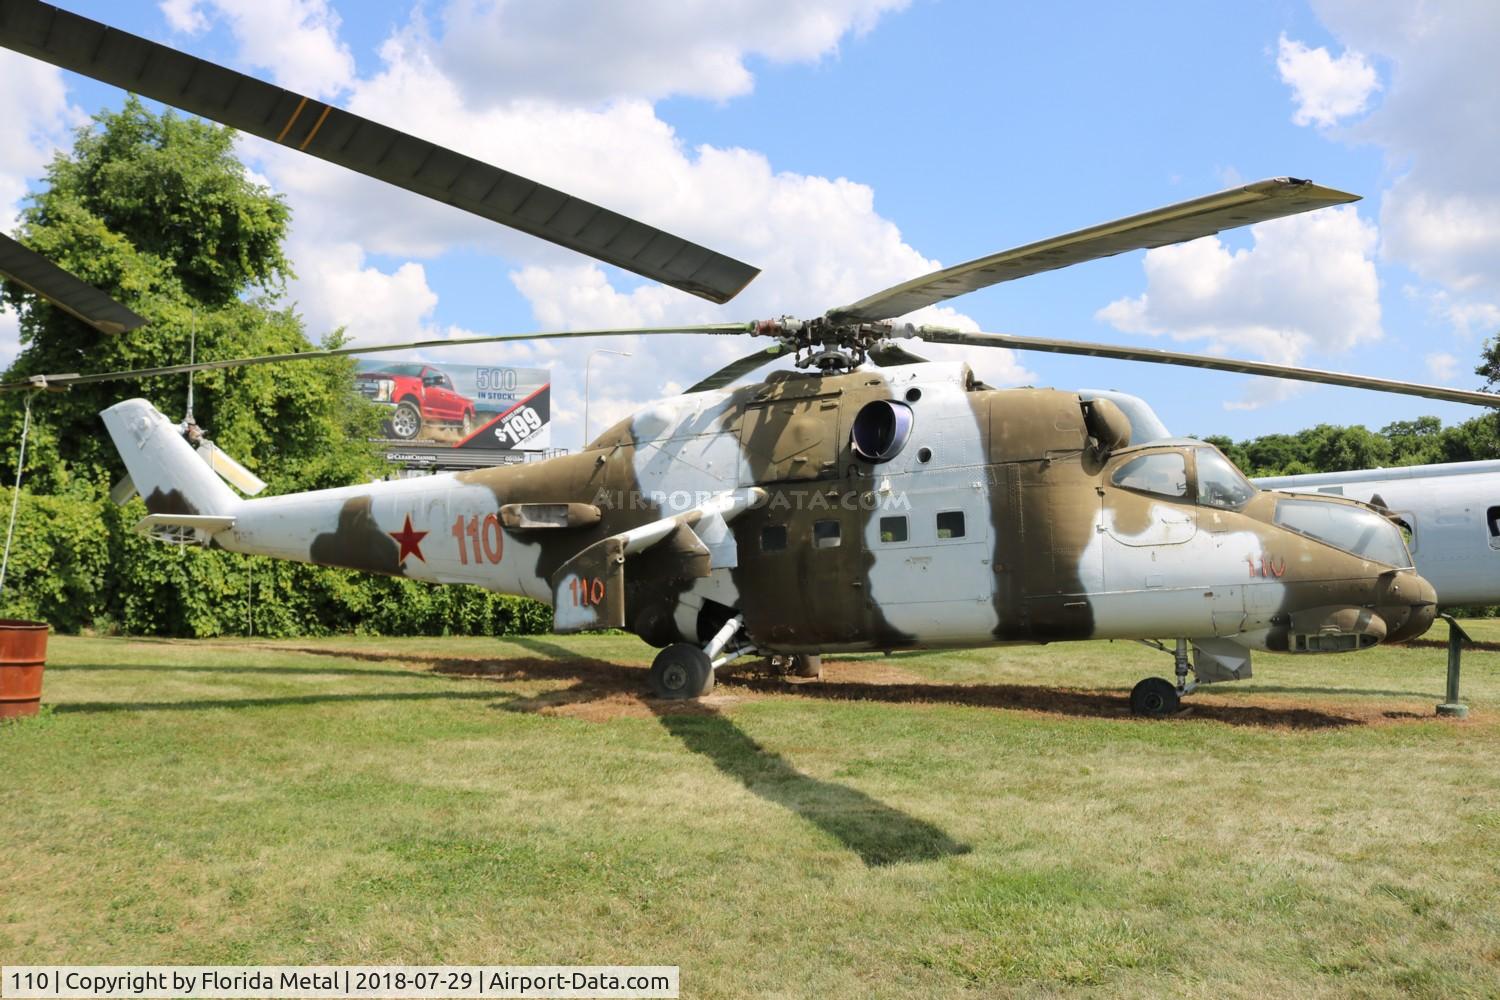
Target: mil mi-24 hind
[
  {"x": 868, "y": 500},
  {"x": 860, "y": 511}
]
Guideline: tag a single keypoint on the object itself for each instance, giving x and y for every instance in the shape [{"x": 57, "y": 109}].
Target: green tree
[
  {"x": 1338, "y": 449},
  {"x": 157, "y": 211},
  {"x": 1415, "y": 442}
]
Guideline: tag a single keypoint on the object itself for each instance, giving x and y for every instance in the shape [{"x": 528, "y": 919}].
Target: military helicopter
[{"x": 866, "y": 500}]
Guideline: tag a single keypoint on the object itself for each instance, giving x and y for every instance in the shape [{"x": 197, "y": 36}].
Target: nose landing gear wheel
[
  {"x": 1154, "y": 697},
  {"x": 681, "y": 671}
]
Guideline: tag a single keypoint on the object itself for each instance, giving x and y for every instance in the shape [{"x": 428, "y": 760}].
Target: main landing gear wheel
[
  {"x": 1154, "y": 697},
  {"x": 681, "y": 671}
]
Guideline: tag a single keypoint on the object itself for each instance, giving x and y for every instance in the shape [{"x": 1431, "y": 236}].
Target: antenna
[{"x": 192, "y": 349}]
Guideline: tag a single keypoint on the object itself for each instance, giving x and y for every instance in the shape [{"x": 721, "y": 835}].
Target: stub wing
[{"x": 588, "y": 591}]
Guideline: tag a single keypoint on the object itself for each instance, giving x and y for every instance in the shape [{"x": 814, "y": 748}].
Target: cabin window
[
  {"x": 1163, "y": 473},
  {"x": 893, "y": 529},
  {"x": 1220, "y": 483},
  {"x": 1492, "y": 518},
  {"x": 773, "y": 538},
  {"x": 825, "y": 534},
  {"x": 950, "y": 524}
]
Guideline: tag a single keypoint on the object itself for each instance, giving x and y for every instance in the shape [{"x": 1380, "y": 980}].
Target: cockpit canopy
[
  {"x": 1199, "y": 473},
  {"x": 1183, "y": 474}
]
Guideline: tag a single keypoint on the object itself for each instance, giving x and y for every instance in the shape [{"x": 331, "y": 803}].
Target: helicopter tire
[
  {"x": 1154, "y": 697},
  {"x": 681, "y": 671}
]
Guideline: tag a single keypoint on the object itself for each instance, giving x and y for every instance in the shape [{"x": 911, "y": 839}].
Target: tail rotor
[{"x": 216, "y": 458}]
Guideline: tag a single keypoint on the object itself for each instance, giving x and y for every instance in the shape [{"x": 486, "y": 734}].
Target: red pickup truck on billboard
[{"x": 417, "y": 394}]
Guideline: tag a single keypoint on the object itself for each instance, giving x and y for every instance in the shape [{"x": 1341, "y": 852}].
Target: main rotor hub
[{"x": 825, "y": 344}]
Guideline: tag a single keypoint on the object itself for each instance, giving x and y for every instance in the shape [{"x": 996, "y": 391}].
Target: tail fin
[{"x": 167, "y": 472}]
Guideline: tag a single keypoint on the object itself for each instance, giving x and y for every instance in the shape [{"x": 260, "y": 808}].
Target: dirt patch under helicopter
[{"x": 602, "y": 691}]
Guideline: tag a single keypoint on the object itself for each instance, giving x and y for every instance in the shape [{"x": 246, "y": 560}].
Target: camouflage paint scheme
[{"x": 660, "y": 525}]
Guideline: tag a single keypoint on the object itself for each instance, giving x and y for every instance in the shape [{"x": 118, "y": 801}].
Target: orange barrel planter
[{"x": 23, "y": 651}]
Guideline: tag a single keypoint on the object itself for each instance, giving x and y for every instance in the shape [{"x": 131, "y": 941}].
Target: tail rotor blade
[
  {"x": 229, "y": 470},
  {"x": 123, "y": 491}
]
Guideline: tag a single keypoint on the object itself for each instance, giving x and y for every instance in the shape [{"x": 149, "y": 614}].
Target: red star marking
[{"x": 410, "y": 541}]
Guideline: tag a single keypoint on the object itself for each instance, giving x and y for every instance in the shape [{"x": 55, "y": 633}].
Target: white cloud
[
  {"x": 1326, "y": 89},
  {"x": 1442, "y": 366},
  {"x": 35, "y": 123},
  {"x": 185, "y": 16},
  {"x": 1308, "y": 285},
  {"x": 1448, "y": 236},
  {"x": 10, "y": 337},
  {"x": 584, "y": 51},
  {"x": 296, "y": 40},
  {"x": 1468, "y": 317},
  {"x": 335, "y": 288},
  {"x": 1436, "y": 123},
  {"x": 820, "y": 241}
]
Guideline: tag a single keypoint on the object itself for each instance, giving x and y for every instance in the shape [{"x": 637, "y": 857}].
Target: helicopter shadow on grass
[
  {"x": 879, "y": 833},
  {"x": 1050, "y": 700}
]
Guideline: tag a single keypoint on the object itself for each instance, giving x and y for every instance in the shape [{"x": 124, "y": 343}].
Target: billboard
[{"x": 473, "y": 407}]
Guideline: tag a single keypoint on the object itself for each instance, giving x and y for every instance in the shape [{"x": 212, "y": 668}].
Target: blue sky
[{"x": 845, "y": 145}]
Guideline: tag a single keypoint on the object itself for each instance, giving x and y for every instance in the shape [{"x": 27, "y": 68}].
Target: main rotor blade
[
  {"x": 69, "y": 293},
  {"x": 939, "y": 335},
  {"x": 73, "y": 378},
  {"x": 742, "y": 366},
  {"x": 1188, "y": 220},
  {"x": 243, "y": 102}
]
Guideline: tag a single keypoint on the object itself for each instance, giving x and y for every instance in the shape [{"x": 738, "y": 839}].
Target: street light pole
[{"x": 597, "y": 350}]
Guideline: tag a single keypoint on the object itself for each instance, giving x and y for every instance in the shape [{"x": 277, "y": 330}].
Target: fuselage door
[{"x": 786, "y": 440}]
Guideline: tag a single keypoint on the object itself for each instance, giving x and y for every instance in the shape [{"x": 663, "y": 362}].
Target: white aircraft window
[
  {"x": 826, "y": 534},
  {"x": 1220, "y": 483},
  {"x": 950, "y": 524},
  {"x": 893, "y": 529},
  {"x": 1163, "y": 473},
  {"x": 1353, "y": 529},
  {"x": 773, "y": 538},
  {"x": 1492, "y": 518}
]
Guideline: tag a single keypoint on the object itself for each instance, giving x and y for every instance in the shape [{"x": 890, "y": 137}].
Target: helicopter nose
[{"x": 1410, "y": 609}]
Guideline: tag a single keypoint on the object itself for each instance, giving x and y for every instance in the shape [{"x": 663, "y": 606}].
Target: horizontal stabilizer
[{"x": 181, "y": 529}]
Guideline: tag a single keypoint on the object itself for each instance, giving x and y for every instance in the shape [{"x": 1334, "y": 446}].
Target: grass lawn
[{"x": 930, "y": 824}]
